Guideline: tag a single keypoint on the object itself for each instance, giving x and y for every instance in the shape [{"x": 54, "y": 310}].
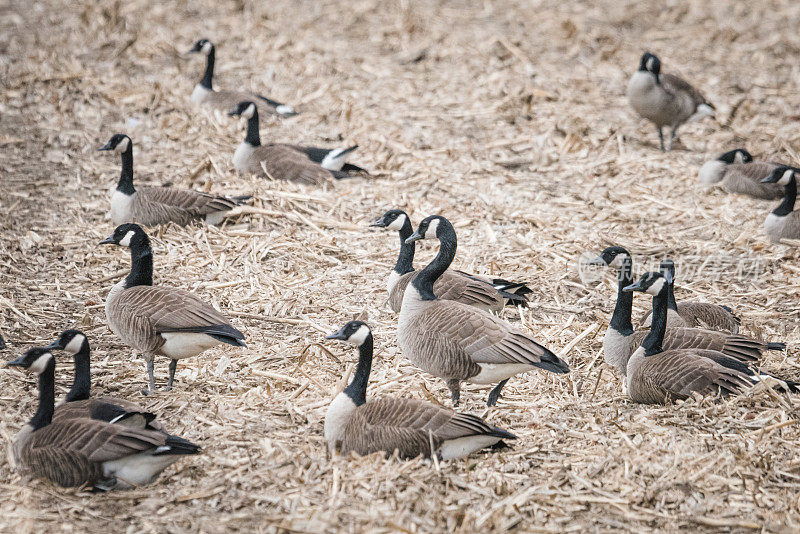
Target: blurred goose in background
[
  {"x": 83, "y": 451},
  {"x": 656, "y": 375},
  {"x": 151, "y": 206},
  {"x": 458, "y": 342},
  {"x": 160, "y": 320},
  {"x": 665, "y": 99},
  {"x": 621, "y": 340},
  {"x": 740, "y": 174},
  {"x": 409, "y": 426},
  {"x": 784, "y": 221},
  {"x": 280, "y": 161},
  {"x": 488, "y": 293},
  {"x": 205, "y": 94}
]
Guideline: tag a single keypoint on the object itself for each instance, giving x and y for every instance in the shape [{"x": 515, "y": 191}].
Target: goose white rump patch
[
  {"x": 458, "y": 448},
  {"x": 334, "y": 160},
  {"x": 186, "y": 344},
  {"x": 138, "y": 469},
  {"x": 492, "y": 373},
  {"x": 711, "y": 172}
]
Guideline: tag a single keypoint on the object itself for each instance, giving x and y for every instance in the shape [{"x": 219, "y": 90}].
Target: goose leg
[
  {"x": 495, "y": 393},
  {"x": 173, "y": 364},
  {"x": 661, "y": 137},
  {"x": 672, "y": 134},
  {"x": 152, "y": 380},
  {"x": 454, "y": 386}
]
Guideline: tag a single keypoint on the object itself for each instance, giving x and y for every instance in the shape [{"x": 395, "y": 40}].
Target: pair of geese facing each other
[
  {"x": 694, "y": 359},
  {"x": 103, "y": 442},
  {"x": 152, "y": 206},
  {"x": 159, "y": 320}
]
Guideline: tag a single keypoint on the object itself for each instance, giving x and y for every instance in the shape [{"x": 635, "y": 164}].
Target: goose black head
[
  {"x": 127, "y": 235},
  {"x": 667, "y": 268},
  {"x": 354, "y": 332},
  {"x": 203, "y": 45},
  {"x": 652, "y": 283},
  {"x": 35, "y": 360},
  {"x": 117, "y": 143},
  {"x": 782, "y": 175},
  {"x": 244, "y": 109},
  {"x": 738, "y": 155},
  {"x": 650, "y": 63},
  {"x": 429, "y": 228},
  {"x": 611, "y": 257},
  {"x": 71, "y": 341},
  {"x": 393, "y": 219}
]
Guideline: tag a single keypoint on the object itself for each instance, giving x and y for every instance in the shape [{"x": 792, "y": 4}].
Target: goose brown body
[
  {"x": 452, "y": 285},
  {"x": 151, "y": 206}
]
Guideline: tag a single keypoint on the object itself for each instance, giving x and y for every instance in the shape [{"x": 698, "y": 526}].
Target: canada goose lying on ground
[
  {"x": 489, "y": 294},
  {"x": 159, "y": 205},
  {"x": 740, "y": 174},
  {"x": 83, "y": 451},
  {"x": 205, "y": 94},
  {"x": 282, "y": 161},
  {"x": 694, "y": 314},
  {"x": 621, "y": 340},
  {"x": 78, "y": 403},
  {"x": 657, "y": 375},
  {"x": 157, "y": 319},
  {"x": 784, "y": 222},
  {"x": 458, "y": 342},
  {"x": 665, "y": 99},
  {"x": 412, "y": 427}
]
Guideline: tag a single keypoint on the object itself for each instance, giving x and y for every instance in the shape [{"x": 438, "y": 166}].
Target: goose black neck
[
  {"x": 141, "y": 265},
  {"x": 405, "y": 260},
  {"x": 789, "y": 196},
  {"x": 82, "y": 382},
  {"x": 209, "y": 73},
  {"x": 621, "y": 318},
  {"x": 47, "y": 397},
  {"x": 125, "y": 184},
  {"x": 447, "y": 252},
  {"x": 252, "y": 137},
  {"x": 653, "y": 342},
  {"x": 671, "y": 304},
  {"x": 357, "y": 389}
]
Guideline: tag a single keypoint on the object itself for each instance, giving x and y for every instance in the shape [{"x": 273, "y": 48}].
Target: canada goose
[
  {"x": 740, "y": 174},
  {"x": 458, "y": 342},
  {"x": 784, "y": 222},
  {"x": 159, "y": 205},
  {"x": 78, "y": 403},
  {"x": 409, "y": 426},
  {"x": 282, "y": 161},
  {"x": 657, "y": 375},
  {"x": 83, "y": 451},
  {"x": 694, "y": 314},
  {"x": 205, "y": 94},
  {"x": 489, "y": 294},
  {"x": 665, "y": 99},
  {"x": 621, "y": 340},
  {"x": 157, "y": 319}
]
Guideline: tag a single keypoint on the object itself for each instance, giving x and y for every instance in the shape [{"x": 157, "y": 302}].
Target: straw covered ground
[{"x": 506, "y": 116}]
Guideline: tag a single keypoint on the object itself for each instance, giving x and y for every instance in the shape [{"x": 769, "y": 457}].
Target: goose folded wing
[
  {"x": 459, "y": 286},
  {"x": 195, "y": 203},
  {"x": 680, "y": 373},
  {"x": 677, "y": 86},
  {"x": 285, "y": 163}
]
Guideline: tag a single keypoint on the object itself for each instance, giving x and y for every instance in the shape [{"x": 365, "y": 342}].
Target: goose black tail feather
[
  {"x": 500, "y": 433},
  {"x": 518, "y": 288},
  {"x": 554, "y": 364},
  {"x": 241, "y": 199},
  {"x": 349, "y": 167},
  {"x": 224, "y": 333},
  {"x": 178, "y": 445},
  {"x": 776, "y": 346},
  {"x": 512, "y": 299}
]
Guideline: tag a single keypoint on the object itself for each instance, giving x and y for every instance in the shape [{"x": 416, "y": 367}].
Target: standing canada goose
[
  {"x": 784, "y": 222},
  {"x": 694, "y": 314},
  {"x": 157, "y": 319},
  {"x": 282, "y": 161},
  {"x": 205, "y": 94},
  {"x": 151, "y": 206},
  {"x": 621, "y": 340},
  {"x": 490, "y": 294},
  {"x": 657, "y": 375},
  {"x": 411, "y": 427},
  {"x": 83, "y": 451},
  {"x": 458, "y": 342},
  {"x": 665, "y": 99},
  {"x": 78, "y": 403},
  {"x": 740, "y": 174}
]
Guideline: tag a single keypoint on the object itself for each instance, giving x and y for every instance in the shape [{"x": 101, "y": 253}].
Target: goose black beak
[
  {"x": 55, "y": 345},
  {"x": 771, "y": 179},
  {"x": 380, "y": 223},
  {"x": 106, "y": 147},
  {"x": 19, "y": 362},
  {"x": 637, "y": 286},
  {"x": 108, "y": 241},
  {"x": 416, "y": 236},
  {"x": 233, "y": 113},
  {"x": 599, "y": 261},
  {"x": 337, "y": 335}
]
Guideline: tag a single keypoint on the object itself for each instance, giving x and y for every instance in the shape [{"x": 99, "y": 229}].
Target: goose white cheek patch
[
  {"x": 41, "y": 362},
  {"x": 126, "y": 241},
  {"x": 398, "y": 223},
  {"x": 358, "y": 337},
  {"x": 657, "y": 286},
  {"x": 618, "y": 261},
  {"x": 206, "y": 48},
  {"x": 432, "y": 227},
  {"x": 249, "y": 112},
  {"x": 75, "y": 344},
  {"x": 123, "y": 145},
  {"x": 786, "y": 178}
]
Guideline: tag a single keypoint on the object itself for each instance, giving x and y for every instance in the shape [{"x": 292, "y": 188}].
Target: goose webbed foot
[
  {"x": 495, "y": 393},
  {"x": 455, "y": 390}
]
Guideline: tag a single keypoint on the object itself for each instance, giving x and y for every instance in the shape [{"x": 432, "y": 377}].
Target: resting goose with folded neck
[
  {"x": 784, "y": 221},
  {"x": 282, "y": 161},
  {"x": 409, "y": 426},
  {"x": 205, "y": 94},
  {"x": 458, "y": 342},
  {"x": 739, "y": 173},
  {"x": 152, "y": 206},
  {"x": 487, "y": 293},
  {"x": 159, "y": 320}
]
